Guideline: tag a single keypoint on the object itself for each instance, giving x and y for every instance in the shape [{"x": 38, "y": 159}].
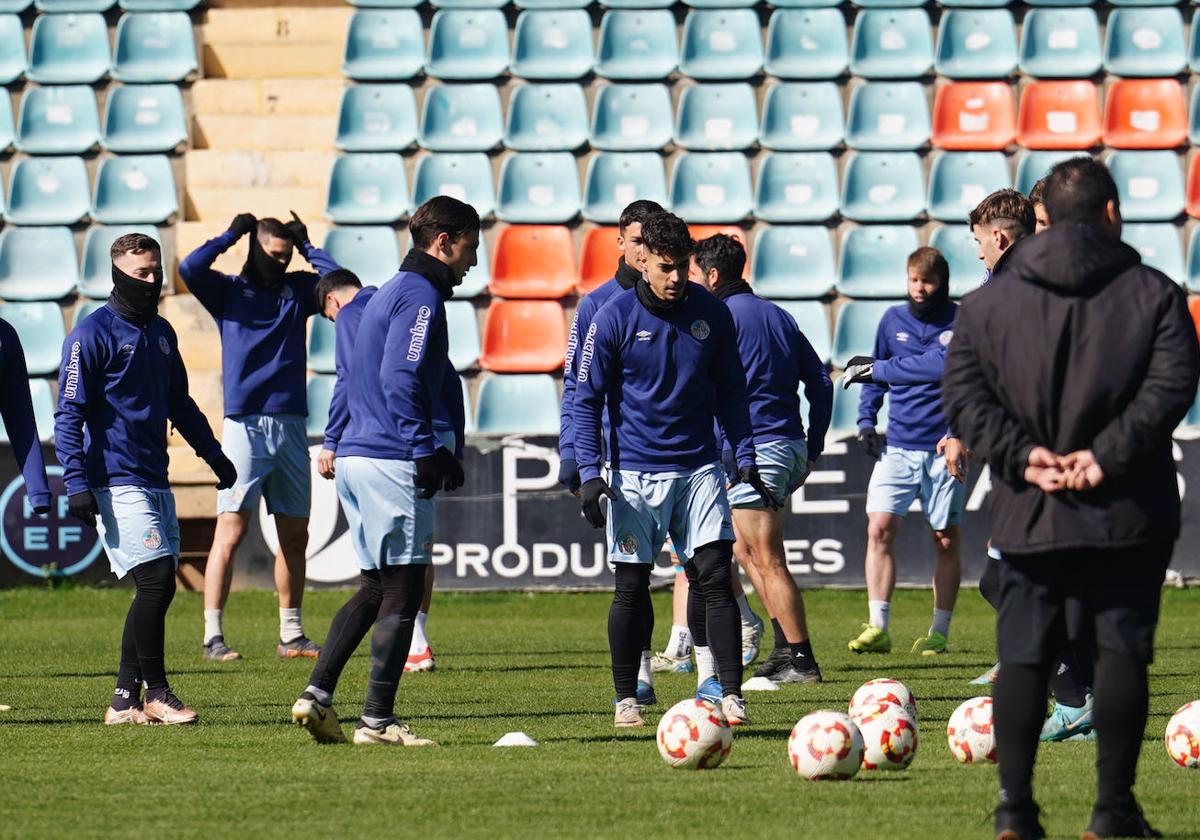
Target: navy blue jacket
[
  {"x": 118, "y": 388},
  {"x": 345, "y": 330},
  {"x": 584, "y": 313},
  {"x": 263, "y": 353},
  {"x": 16, "y": 407}
]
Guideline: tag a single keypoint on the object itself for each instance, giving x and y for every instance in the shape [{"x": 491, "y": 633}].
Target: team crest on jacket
[
  {"x": 945, "y": 338},
  {"x": 152, "y": 538},
  {"x": 627, "y": 543},
  {"x": 700, "y": 329},
  {"x": 164, "y": 345}
]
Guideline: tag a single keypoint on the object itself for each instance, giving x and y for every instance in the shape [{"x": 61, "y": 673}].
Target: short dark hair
[
  {"x": 666, "y": 235},
  {"x": 1006, "y": 209},
  {"x": 339, "y": 278},
  {"x": 441, "y": 214},
  {"x": 1037, "y": 195},
  {"x": 930, "y": 263},
  {"x": 722, "y": 252},
  {"x": 637, "y": 212},
  {"x": 1077, "y": 190},
  {"x": 273, "y": 227},
  {"x": 133, "y": 243}
]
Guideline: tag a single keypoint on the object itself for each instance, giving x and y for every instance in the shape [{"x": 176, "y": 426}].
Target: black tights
[
  {"x": 630, "y": 624},
  {"x": 145, "y": 628},
  {"x": 713, "y": 611}
]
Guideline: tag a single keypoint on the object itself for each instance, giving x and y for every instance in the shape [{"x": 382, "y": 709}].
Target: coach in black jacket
[{"x": 1069, "y": 376}]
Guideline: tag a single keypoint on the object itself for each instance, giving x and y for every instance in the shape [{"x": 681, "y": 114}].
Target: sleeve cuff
[
  {"x": 586, "y": 474},
  {"x": 879, "y": 371},
  {"x": 330, "y": 444},
  {"x": 566, "y": 452},
  {"x": 38, "y": 500}
]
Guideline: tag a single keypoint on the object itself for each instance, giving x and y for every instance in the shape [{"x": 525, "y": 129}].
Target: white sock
[
  {"x": 645, "y": 675},
  {"x": 680, "y": 643},
  {"x": 419, "y": 640},
  {"x": 748, "y": 616},
  {"x": 706, "y": 665},
  {"x": 289, "y": 624},
  {"x": 941, "y": 621},
  {"x": 325, "y": 698},
  {"x": 212, "y": 625},
  {"x": 879, "y": 613}
]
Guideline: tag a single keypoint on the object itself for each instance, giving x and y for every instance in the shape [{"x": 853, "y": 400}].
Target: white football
[
  {"x": 970, "y": 733},
  {"x": 694, "y": 735},
  {"x": 825, "y": 745},
  {"x": 873, "y": 692},
  {"x": 889, "y": 736},
  {"x": 1183, "y": 736}
]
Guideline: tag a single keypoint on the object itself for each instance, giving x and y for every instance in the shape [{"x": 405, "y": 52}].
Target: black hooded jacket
[{"x": 1078, "y": 346}]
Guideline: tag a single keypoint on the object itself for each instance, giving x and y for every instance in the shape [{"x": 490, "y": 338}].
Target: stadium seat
[
  {"x": 721, "y": 44},
  {"x": 523, "y": 336},
  {"x": 597, "y": 259},
  {"x": 614, "y": 179},
  {"x": 886, "y": 4},
  {"x": 974, "y": 116},
  {"x": 463, "y": 328},
  {"x": 958, "y": 181},
  {"x": 845, "y": 408},
  {"x": 1159, "y": 246},
  {"x": 48, "y": 191},
  {"x": 467, "y": 44},
  {"x": 160, "y": 5},
  {"x": 1059, "y": 2},
  {"x": 1193, "y": 187},
  {"x": 802, "y": 117},
  {"x": 534, "y": 261},
  {"x": 69, "y": 49},
  {"x": 135, "y": 190},
  {"x": 58, "y": 121},
  {"x": 538, "y": 188},
  {"x": 13, "y": 64},
  {"x": 86, "y": 308},
  {"x": 547, "y": 118},
  {"x": 322, "y": 346},
  {"x": 377, "y": 118},
  {"x": 958, "y": 246},
  {"x": 976, "y": 44},
  {"x": 1059, "y": 115},
  {"x": 806, "y": 4},
  {"x": 806, "y": 44},
  {"x": 1060, "y": 43},
  {"x": 552, "y": 44},
  {"x": 40, "y": 328},
  {"x": 43, "y": 411},
  {"x": 468, "y": 4},
  {"x": 1150, "y": 185},
  {"x": 367, "y": 189},
  {"x": 1145, "y": 114},
  {"x": 1033, "y": 166},
  {"x": 717, "y": 117},
  {"x": 856, "y": 323},
  {"x": 517, "y": 404},
  {"x": 891, "y": 44},
  {"x": 370, "y": 252},
  {"x": 1193, "y": 265},
  {"x": 711, "y": 187},
  {"x": 57, "y": 7},
  {"x": 38, "y": 263},
  {"x": 8, "y": 132},
  {"x": 154, "y": 47},
  {"x": 874, "y": 260},
  {"x": 699, "y": 232},
  {"x": 461, "y": 118},
  {"x": 797, "y": 187},
  {"x": 1144, "y": 42},
  {"x": 888, "y": 116},
  {"x": 1194, "y": 117},
  {"x": 143, "y": 118},
  {"x": 14, "y": 7},
  {"x": 95, "y": 279},
  {"x": 793, "y": 261},
  {"x": 479, "y": 277},
  {"x": 1194, "y": 44},
  {"x": 466, "y": 176},
  {"x": 810, "y": 316},
  {"x": 383, "y": 44},
  {"x": 551, "y": 4},
  {"x": 637, "y": 45},
  {"x": 318, "y": 394},
  {"x": 1194, "y": 310},
  {"x": 629, "y": 118},
  {"x": 883, "y": 187}
]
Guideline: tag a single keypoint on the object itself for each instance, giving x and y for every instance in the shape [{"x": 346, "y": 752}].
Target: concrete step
[
  {"x": 264, "y": 133},
  {"x": 283, "y": 24},
  {"x": 232, "y": 169},
  {"x": 277, "y": 97},
  {"x": 200, "y": 346},
  {"x": 220, "y": 205}
]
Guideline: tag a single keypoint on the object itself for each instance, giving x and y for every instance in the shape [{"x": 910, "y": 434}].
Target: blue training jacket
[
  {"x": 16, "y": 407},
  {"x": 584, "y": 313},
  {"x": 118, "y": 387},
  {"x": 661, "y": 382},
  {"x": 915, "y": 419},
  {"x": 263, "y": 352},
  {"x": 345, "y": 329}
]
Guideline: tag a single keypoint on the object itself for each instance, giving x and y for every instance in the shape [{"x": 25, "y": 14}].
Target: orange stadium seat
[
  {"x": 524, "y": 336},
  {"x": 1194, "y": 308},
  {"x": 1145, "y": 114},
  {"x": 1059, "y": 115},
  {"x": 974, "y": 116},
  {"x": 598, "y": 260},
  {"x": 533, "y": 261},
  {"x": 1193, "y": 188},
  {"x": 704, "y": 231}
]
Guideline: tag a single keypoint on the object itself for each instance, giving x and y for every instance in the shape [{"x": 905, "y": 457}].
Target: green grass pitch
[{"x": 535, "y": 663}]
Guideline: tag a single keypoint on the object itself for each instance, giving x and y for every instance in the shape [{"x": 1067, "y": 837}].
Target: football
[
  {"x": 1183, "y": 736},
  {"x": 873, "y": 692},
  {"x": 825, "y": 745},
  {"x": 970, "y": 732},
  {"x": 694, "y": 735},
  {"x": 889, "y": 736}
]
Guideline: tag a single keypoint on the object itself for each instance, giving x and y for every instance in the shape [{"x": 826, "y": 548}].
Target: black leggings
[
  {"x": 713, "y": 612},
  {"x": 630, "y": 624},
  {"x": 145, "y": 628}
]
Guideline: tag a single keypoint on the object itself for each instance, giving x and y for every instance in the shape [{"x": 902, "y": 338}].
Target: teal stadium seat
[
  {"x": 1060, "y": 43},
  {"x": 886, "y": 4},
  {"x": 1194, "y": 117},
  {"x": 466, "y": 176},
  {"x": 888, "y": 116},
  {"x": 48, "y": 191},
  {"x": 547, "y": 118},
  {"x": 518, "y": 403},
  {"x": 614, "y": 179},
  {"x": 386, "y": 4},
  {"x": 86, "y": 308},
  {"x": 467, "y": 44},
  {"x": 1160, "y": 247},
  {"x": 40, "y": 328},
  {"x": 158, "y": 5},
  {"x": 1059, "y": 2},
  {"x": 845, "y": 410},
  {"x": 368, "y": 189},
  {"x": 154, "y": 47},
  {"x": 552, "y": 4},
  {"x": 322, "y": 346},
  {"x": 463, "y": 327},
  {"x": 891, "y": 44},
  {"x": 1193, "y": 261},
  {"x": 56, "y": 7},
  {"x": 319, "y": 393},
  {"x": 468, "y": 4},
  {"x": 134, "y": 190},
  {"x": 637, "y": 45},
  {"x": 806, "y": 44},
  {"x": 629, "y": 118},
  {"x": 721, "y": 44},
  {"x": 1150, "y": 184},
  {"x": 975, "y": 4},
  {"x": 552, "y": 44},
  {"x": 37, "y": 263},
  {"x": 14, "y": 7},
  {"x": 883, "y": 187},
  {"x": 13, "y": 64},
  {"x": 796, "y": 187},
  {"x": 958, "y": 246},
  {"x": 58, "y": 121},
  {"x": 1145, "y": 42},
  {"x": 976, "y": 44},
  {"x": 711, "y": 187},
  {"x": 719, "y": 4},
  {"x": 370, "y": 252},
  {"x": 383, "y": 45},
  {"x": 958, "y": 181},
  {"x": 874, "y": 261},
  {"x": 802, "y": 117},
  {"x": 144, "y": 118},
  {"x": 811, "y": 318},
  {"x": 717, "y": 117},
  {"x": 461, "y": 118},
  {"x": 477, "y": 280},
  {"x": 793, "y": 261},
  {"x": 855, "y": 326},
  {"x": 8, "y": 132},
  {"x": 1033, "y": 166},
  {"x": 43, "y": 411},
  {"x": 806, "y": 4},
  {"x": 95, "y": 279},
  {"x": 637, "y": 5},
  {"x": 69, "y": 49},
  {"x": 1194, "y": 44},
  {"x": 377, "y": 118},
  {"x": 538, "y": 188}
]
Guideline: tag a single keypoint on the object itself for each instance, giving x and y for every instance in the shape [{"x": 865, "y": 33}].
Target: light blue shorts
[
  {"x": 691, "y": 509},
  {"x": 136, "y": 525},
  {"x": 388, "y": 524},
  {"x": 270, "y": 452},
  {"x": 782, "y": 465},
  {"x": 904, "y": 475}
]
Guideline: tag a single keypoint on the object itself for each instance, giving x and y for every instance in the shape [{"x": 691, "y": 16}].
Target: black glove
[
  {"x": 243, "y": 223},
  {"x": 749, "y": 475},
  {"x": 589, "y": 499},
  {"x": 568, "y": 474},
  {"x": 858, "y": 370},
  {"x": 225, "y": 471},
  {"x": 453, "y": 476},
  {"x": 297, "y": 230},
  {"x": 83, "y": 507},
  {"x": 729, "y": 463},
  {"x": 428, "y": 477},
  {"x": 871, "y": 443}
]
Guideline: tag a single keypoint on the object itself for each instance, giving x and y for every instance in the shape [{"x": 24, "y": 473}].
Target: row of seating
[
  {"x": 134, "y": 189},
  {"x": 68, "y": 6},
  {"x": 40, "y": 263},
  {"x": 710, "y": 4},
  {"x": 64, "y": 120}
]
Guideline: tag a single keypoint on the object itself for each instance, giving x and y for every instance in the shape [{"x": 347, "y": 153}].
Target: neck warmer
[
  {"x": 656, "y": 305},
  {"x": 932, "y": 305},
  {"x": 729, "y": 288},
  {"x": 626, "y": 277},
  {"x": 432, "y": 269},
  {"x": 263, "y": 270},
  {"x": 135, "y": 300}
]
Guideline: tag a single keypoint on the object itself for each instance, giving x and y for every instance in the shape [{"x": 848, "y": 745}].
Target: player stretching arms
[
  {"x": 388, "y": 470},
  {"x": 16, "y": 407},
  {"x": 123, "y": 381}
]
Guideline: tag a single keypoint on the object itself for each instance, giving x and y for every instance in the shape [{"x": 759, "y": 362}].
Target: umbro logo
[
  {"x": 644, "y": 335},
  {"x": 902, "y": 336}
]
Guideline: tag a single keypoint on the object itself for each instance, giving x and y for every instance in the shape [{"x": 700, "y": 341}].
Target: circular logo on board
[
  {"x": 164, "y": 345},
  {"x": 700, "y": 329},
  {"x": 627, "y": 543},
  {"x": 152, "y": 538},
  {"x": 55, "y": 546},
  {"x": 945, "y": 338}
]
